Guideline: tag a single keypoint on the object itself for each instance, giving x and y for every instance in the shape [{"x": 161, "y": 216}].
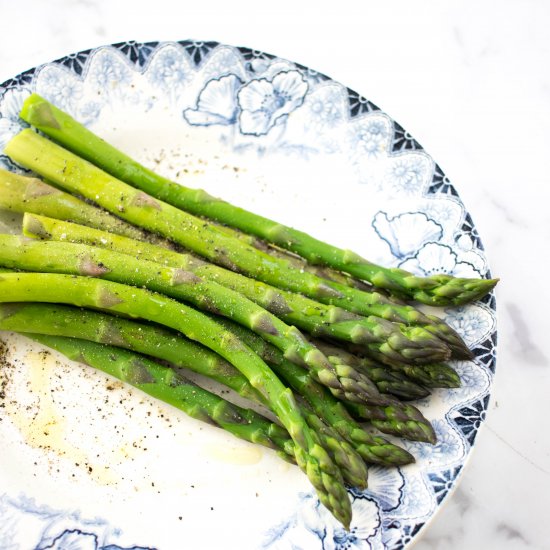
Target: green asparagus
[
  {"x": 436, "y": 375},
  {"x": 438, "y": 290},
  {"x": 81, "y": 177},
  {"x": 79, "y": 259},
  {"x": 389, "y": 419},
  {"x": 300, "y": 309},
  {"x": 172, "y": 387},
  {"x": 297, "y": 310},
  {"x": 157, "y": 342},
  {"x": 160, "y": 343},
  {"x": 311, "y": 457},
  {"x": 153, "y": 340},
  {"x": 432, "y": 375},
  {"x": 403, "y": 421},
  {"x": 387, "y": 380},
  {"x": 26, "y": 194}
]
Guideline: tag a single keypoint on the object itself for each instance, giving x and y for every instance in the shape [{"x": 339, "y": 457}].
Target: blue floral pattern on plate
[
  {"x": 53, "y": 529},
  {"x": 257, "y": 103}
]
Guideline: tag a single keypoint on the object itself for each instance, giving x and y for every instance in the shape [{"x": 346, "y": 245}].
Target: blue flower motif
[
  {"x": 417, "y": 499},
  {"x": 10, "y": 105},
  {"x": 396, "y": 535},
  {"x": 22, "y": 79},
  {"x": 441, "y": 184},
  {"x": 385, "y": 487},
  {"x": 359, "y": 104},
  {"x": 265, "y": 102},
  {"x": 198, "y": 50},
  {"x": 217, "y": 103},
  {"x": 326, "y": 109},
  {"x": 372, "y": 136},
  {"x": 406, "y": 232},
  {"x": 443, "y": 482},
  {"x": 444, "y": 211},
  {"x": 408, "y": 173},
  {"x": 75, "y": 61},
  {"x": 435, "y": 258},
  {"x": 402, "y": 140},
  {"x": 136, "y": 52},
  {"x": 52, "y": 529},
  {"x": 108, "y": 72},
  {"x": 73, "y": 539},
  {"x": 76, "y": 539},
  {"x": 59, "y": 86},
  {"x": 474, "y": 381},
  {"x": 485, "y": 352},
  {"x": 313, "y": 526},
  {"x": 12, "y": 102},
  {"x": 89, "y": 112},
  {"x": 8, "y": 129},
  {"x": 473, "y": 323},
  {"x": 447, "y": 449},
  {"x": 169, "y": 68},
  {"x": 469, "y": 419},
  {"x": 364, "y": 524}
]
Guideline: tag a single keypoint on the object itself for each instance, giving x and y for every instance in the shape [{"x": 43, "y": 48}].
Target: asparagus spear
[
  {"x": 374, "y": 334},
  {"x": 396, "y": 418},
  {"x": 153, "y": 340},
  {"x": 311, "y": 457},
  {"x": 276, "y": 301},
  {"x": 297, "y": 261},
  {"x": 77, "y": 175},
  {"x": 79, "y": 259},
  {"x": 404, "y": 421},
  {"x": 436, "y": 375},
  {"x": 160, "y": 343},
  {"x": 25, "y": 194},
  {"x": 438, "y": 290},
  {"x": 66, "y": 321},
  {"x": 379, "y": 337},
  {"x": 387, "y": 380},
  {"x": 433, "y": 375},
  {"x": 172, "y": 387},
  {"x": 157, "y": 342}
]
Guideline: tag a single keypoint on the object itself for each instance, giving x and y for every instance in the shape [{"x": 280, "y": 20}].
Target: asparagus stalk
[
  {"x": 15, "y": 193},
  {"x": 26, "y": 194},
  {"x": 436, "y": 375},
  {"x": 81, "y": 324},
  {"x": 404, "y": 421},
  {"x": 79, "y": 259},
  {"x": 172, "y": 387},
  {"x": 311, "y": 457},
  {"x": 160, "y": 343},
  {"x": 354, "y": 469},
  {"x": 80, "y": 177},
  {"x": 143, "y": 338},
  {"x": 438, "y": 290},
  {"x": 433, "y": 375},
  {"x": 297, "y": 261},
  {"x": 387, "y": 380},
  {"x": 374, "y": 334},
  {"x": 389, "y": 419}
]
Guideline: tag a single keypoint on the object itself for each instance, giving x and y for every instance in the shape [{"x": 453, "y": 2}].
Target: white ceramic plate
[{"x": 91, "y": 464}]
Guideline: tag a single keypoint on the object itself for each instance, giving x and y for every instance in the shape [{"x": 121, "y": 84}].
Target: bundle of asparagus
[{"x": 323, "y": 348}]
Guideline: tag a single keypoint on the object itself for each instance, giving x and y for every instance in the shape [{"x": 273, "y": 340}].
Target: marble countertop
[{"x": 471, "y": 82}]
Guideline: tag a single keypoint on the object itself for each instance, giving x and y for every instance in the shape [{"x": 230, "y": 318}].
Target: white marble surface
[{"x": 471, "y": 82}]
